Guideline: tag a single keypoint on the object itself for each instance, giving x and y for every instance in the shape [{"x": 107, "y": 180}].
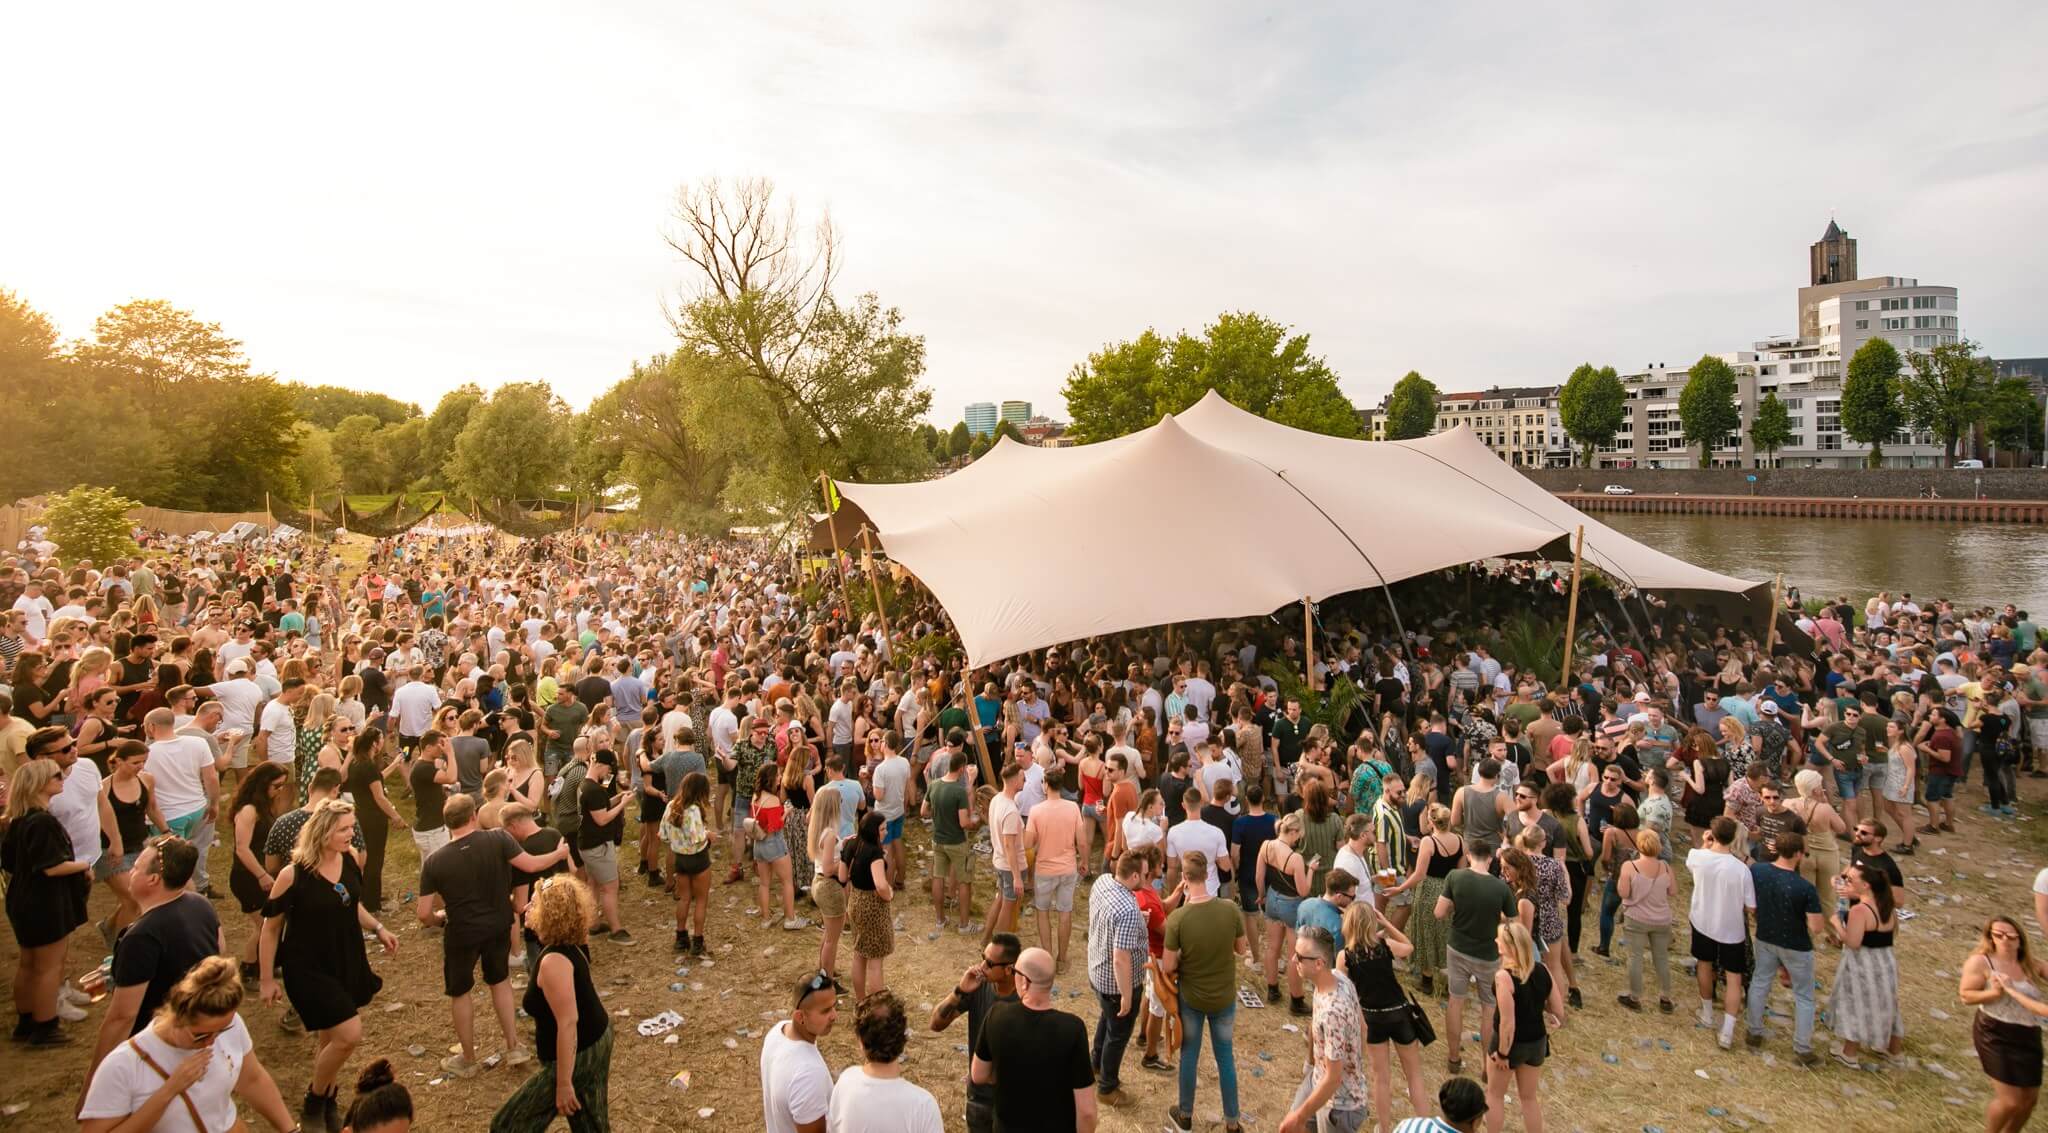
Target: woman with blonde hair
[
  {"x": 88, "y": 673},
  {"x": 1371, "y": 945},
  {"x": 528, "y": 786},
  {"x": 2003, "y": 981},
  {"x": 191, "y": 1061},
  {"x": 1644, "y": 884},
  {"x": 799, "y": 791},
  {"x": 572, "y": 1034},
  {"x": 1281, "y": 878},
  {"x": 312, "y": 738},
  {"x": 1823, "y": 858},
  {"x": 1523, "y": 994},
  {"x": 1735, "y": 748},
  {"x": 46, "y": 895},
  {"x": 828, "y": 889},
  {"x": 314, "y": 924},
  {"x": 495, "y": 781},
  {"x": 1436, "y": 855},
  {"x": 349, "y": 702}
]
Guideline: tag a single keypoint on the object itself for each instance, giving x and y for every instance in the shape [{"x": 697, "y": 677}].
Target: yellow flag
[{"x": 831, "y": 497}]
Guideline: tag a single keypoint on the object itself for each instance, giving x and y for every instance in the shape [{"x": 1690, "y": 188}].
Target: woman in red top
[{"x": 767, "y": 815}]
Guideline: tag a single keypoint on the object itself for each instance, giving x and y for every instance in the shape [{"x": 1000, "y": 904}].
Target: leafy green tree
[
  {"x": 980, "y": 445},
  {"x": 445, "y": 424},
  {"x": 315, "y": 466},
  {"x": 2013, "y": 418},
  {"x": 1771, "y": 428},
  {"x": 1593, "y": 406},
  {"x": 654, "y": 419},
  {"x": 811, "y": 382},
  {"x": 1005, "y": 428},
  {"x": 91, "y": 523},
  {"x": 161, "y": 346},
  {"x": 515, "y": 446},
  {"x": 1706, "y": 406},
  {"x": 1946, "y": 391},
  {"x": 1411, "y": 408},
  {"x": 359, "y": 457},
  {"x": 596, "y": 455},
  {"x": 1247, "y": 358},
  {"x": 407, "y": 462},
  {"x": 958, "y": 441},
  {"x": 325, "y": 406},
  {"x": 1871, "y": 410},
  {"x": 930, "y": 438}
]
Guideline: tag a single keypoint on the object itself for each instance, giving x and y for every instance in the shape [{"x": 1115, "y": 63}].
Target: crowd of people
[{"x": 1420, "y": 848}]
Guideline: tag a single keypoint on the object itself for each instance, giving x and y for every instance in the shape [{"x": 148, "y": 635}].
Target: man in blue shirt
[{"x": 1788, "y": 914}]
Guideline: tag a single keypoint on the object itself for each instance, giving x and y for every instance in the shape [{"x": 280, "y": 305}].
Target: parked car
[
  {"x": 1618, "y": 490},
  {"x": 1969, "y": 464}
]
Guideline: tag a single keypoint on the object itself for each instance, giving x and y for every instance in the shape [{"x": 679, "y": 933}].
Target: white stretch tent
[{"x": 1029, "y": 547}]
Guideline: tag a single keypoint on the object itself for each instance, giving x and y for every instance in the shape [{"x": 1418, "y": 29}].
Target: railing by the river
[{"x": 1961, "y": 511}]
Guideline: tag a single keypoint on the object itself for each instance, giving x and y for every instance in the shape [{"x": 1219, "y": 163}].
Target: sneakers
[
  {"x": 621, "y": 936},
  {"x": 1115, "y": 1098},
  {"x": 1298, "y": 1006},
  {"x": 518, "y": 1056},
  {"x": 290, "y": 1023},
  {"x": 70, "y": 1012},
  {"x": 1155, "y": 1064},
  {"x": 1629, "y": 1001},
  {"x": 792, "y": 924},
  {"x": 1178, "y": 1121},
  {"x": 1572, "y": 1000},
  {"x": 1807, "y": 1059},
  {"x": 459, "y": 1066},
  {"x": 70, "y": 994},
  {"x": 1706, "y": 1015},
  {"x": 1272, "y": 993},
  {"x": 682, "y": 941},
  {"x": 47, "y": 1034},
  {"x": 1754, "y": 1040},
  {"x": 653, "y": 880},
  {"x": 697, "y": 945}
]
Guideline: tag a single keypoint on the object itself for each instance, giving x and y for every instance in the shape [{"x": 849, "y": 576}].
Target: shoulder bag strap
[{"x": 191, "y": 1110}]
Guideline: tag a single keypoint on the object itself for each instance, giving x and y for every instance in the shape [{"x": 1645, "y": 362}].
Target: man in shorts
[
  {"x": 1723, "y": 890},
  {"x": 891, "y": 784},
  {"x": 1055, "y": 832},
  {"x": 952, "y": 815},
  {"x": 1475, "y": 902},
  {"x": 466, "y": 889},
  {"x": 1006, "y": 852}
]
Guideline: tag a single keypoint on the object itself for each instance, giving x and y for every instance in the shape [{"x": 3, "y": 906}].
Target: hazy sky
[{"x": 407, "y": 197}]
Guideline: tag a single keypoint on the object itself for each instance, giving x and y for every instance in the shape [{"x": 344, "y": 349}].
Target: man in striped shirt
[
  {"x": 1116, "y": 956},
  {"x": 1391, "y": 849}
]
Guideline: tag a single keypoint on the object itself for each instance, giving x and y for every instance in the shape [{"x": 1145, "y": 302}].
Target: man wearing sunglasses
[
  {"x": 175, "y": 931},
  {"x": 796, "y": 1087},
  {"x": 1036, "y": 1057},
  {"x": 981, "y": 988}
]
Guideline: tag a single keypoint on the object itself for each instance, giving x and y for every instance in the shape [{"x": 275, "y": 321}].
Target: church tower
[{"x": 1832, "y": 259}]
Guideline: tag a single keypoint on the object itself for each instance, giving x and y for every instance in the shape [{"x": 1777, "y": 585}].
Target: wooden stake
[
  {"x": 1571, "y": 614},
  {"x": 875, "y": 580},
  {"x": 1308, "y": 641},
  {"x": 1777, "y": 603},
  {"x": 988, "y": 771}
]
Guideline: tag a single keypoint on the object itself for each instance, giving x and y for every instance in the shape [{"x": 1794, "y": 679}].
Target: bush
[{"x": 91, "y": 523}]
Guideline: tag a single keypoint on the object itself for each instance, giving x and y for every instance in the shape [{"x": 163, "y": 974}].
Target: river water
[{"x": 1970, "y": 564}]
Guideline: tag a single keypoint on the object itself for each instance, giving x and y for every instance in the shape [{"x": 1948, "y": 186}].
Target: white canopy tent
[{"x": 1030, "y": 547}]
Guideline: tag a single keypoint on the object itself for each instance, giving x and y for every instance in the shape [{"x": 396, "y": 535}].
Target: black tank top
[
  {"x": 1279, "y": 880},
  {"x": 1440, "y": 863},
  {"x": 131, "y": 819},
  {"x": 1879, "y": 937},
  {"x": 590, "y": 1016},
  {"x": 1372, "y": 977}
]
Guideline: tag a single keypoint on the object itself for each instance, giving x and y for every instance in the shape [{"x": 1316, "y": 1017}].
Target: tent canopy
[{"x": 1030, "y": 547}]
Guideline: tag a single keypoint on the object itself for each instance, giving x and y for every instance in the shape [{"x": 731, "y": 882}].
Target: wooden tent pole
[
  {"x": 825, "y": 488},
  {"x": 1308, "y": 640},
  {"x": 1571, "y": 615},
  {"x": 875, "y": 580},
  {"x": 1777, "y": 601},
  {"x": 988, "y": 770}
]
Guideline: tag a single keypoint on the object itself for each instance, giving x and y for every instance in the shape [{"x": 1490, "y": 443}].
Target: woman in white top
[
  {"x": 182, "y": 1073},
  {"x": 1146, "y": 826}
]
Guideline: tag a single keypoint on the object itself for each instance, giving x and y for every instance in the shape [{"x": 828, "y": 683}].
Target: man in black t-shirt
[
  {"x": 466, "y": 887},
  {"x": 982, "y": 988},
  {"x": 540, "y": 841},
  {"x": 430, "y": 776},
  {"x": 1036, "y": 1056},
  {"x": 1868, "y": 839},
  {"x": 175, "y": 932}
]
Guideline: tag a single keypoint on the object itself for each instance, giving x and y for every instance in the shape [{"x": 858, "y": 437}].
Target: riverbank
[
  {"x": 1805, "y": 483},
  {"x": 1937, "y": 509}
]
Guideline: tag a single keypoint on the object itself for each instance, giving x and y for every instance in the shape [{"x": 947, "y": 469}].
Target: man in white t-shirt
[
  {"x": 891, "y": 784},
  {"x": 1195, "y": 834},
  {"x": 277, "y": 734},
  {"x": 414, "y": 705},
  {"x": 796, "y": 1087},
  {"x": 1723, "y": 890},
  {"x": 187, "y": 777},
  {"x": 239, "y": 697},
  {"x": 35, "y": 609},
  {"x": 1006, "y": 852},
  {"x": 874, "y": 1097}
]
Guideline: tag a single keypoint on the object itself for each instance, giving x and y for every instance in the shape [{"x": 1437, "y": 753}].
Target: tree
[
  {"x": 655, "y": 419},
  {"x": 2012, "y": 417},
  {"x": 1871, "y": 411},
  {"x": 1005, "y": 428},
  {"x": 49, "y": 422},
  {"x": 161, "y": 346},
  {"x": 407, "y": 462},
  {"x": 812, "y": 382},
  {"x": 1771, "y": 428},
  {"x": 1411, "y": 408},
  {"x": 930, "y": 438},
  {"x": 315, "y": 466},
  {"x": 1947, "y": 391},
  {"x": 596, "y": 455},
  {"x": 91, "y": 523},
  {"x": 514, "y": 447},
  {"x": 1593, "y": 405},
  {"x": 1706, "y": 406},
  {"x": 325, "y": 406},
  {"x": 1247, "y": 358},
  {"x": 980, "y": 445},
  {"x": 446, "y": 423},
  {"x": 958, "y": 441},
  {"x": 359, "y": 458}
]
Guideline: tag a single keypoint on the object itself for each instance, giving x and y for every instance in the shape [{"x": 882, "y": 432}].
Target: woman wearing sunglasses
[{"x": 192, "y": 1061}]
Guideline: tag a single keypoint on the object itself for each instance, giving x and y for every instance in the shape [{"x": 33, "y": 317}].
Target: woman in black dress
[
  {"x": 364, "y": 782},
  {"x": 258, "y": 802},
  {"x": 571, "y": 1033},
  {"x": 46, "y": 893},
  {"x": 313, "y": 925}
]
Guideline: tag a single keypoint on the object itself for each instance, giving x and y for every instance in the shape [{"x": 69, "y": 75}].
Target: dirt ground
[{"x": 1611, "y": 1069}]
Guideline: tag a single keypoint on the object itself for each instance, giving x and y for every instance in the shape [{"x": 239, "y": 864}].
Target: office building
[
  {"x": 982, "y": 418},
  {"x": 1017, "y": 413},
  {"x": 1520, "y": 424}
]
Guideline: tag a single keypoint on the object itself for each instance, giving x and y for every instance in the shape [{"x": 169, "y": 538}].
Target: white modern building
[{"x": 981, "y": 418}]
